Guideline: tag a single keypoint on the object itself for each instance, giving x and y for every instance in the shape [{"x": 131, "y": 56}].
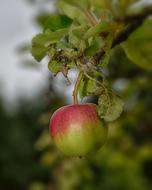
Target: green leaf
[
  {"x": 49, "y": 37},
  {"x": 56, "y": 22},
  {"x": 38, "y": 51},
  {"x": 86, "y": 88},
  {"x": 97, "y": 29},
  {"x": 76, "y": 37},
  {"x": 107, "y": 48},
  {"x": 110, "y": 106},
  {"x": 71, "y": 54},
  {"x": 41, "y": 42},
  {"x": 42, "y": 18},
  {"x": 54, "y": 66},
  {"x": 139, "y": 46},
  {"x": 72, "y": 11},
  {"x": 95, "y": 44}
]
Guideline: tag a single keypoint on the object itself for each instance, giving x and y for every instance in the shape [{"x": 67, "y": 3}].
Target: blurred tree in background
[
  {"x": 20, "y": 158},
  {"x": 30, "y": 161}
]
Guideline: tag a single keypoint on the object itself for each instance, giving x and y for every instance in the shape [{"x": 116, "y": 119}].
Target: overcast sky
[{"x": 16, "y": 28}]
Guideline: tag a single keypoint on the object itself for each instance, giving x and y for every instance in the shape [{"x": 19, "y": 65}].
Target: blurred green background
[{"x": 30, "y": 161}]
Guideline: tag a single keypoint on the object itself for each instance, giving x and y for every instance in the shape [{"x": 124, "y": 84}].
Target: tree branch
[
  {"x": 139, "y": 16},
  {"x": 132, "y": 22},
  {"x": 123, "y": 35}
]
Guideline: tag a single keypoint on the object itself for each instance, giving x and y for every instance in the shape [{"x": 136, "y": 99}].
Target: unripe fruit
[{"x": 77, "y": 129}]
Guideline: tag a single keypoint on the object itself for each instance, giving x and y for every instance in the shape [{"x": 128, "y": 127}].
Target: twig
[
  {"x": 133, "y": 23},
  {"x": 123, "y": 35}
]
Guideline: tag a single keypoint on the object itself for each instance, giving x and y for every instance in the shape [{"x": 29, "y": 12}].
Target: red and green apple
[{"x": 77, "y": 129}]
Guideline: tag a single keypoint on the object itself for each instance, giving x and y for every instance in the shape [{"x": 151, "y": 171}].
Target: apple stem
[{"x": 76, "y": 87}]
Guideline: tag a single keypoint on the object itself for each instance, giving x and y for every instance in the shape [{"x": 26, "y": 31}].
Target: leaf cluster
[{"x": 82, "y": 30}]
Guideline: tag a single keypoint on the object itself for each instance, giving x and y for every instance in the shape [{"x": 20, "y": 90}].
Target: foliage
[
  {"x": 82, "y": 34},
  {"x": 138, "y": 46}
]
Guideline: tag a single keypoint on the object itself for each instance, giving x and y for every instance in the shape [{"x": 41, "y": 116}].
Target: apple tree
[{"x": 84, "y": 35}]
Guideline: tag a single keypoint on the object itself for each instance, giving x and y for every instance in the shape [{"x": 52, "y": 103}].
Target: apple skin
[{"x": 77, "y": 129}]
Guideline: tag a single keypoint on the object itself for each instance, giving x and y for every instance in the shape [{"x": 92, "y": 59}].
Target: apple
[{"x": 77, "y": 129}]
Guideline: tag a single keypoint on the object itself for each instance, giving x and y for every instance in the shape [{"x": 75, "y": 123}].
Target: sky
[{"x": 16, "y": 28}]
